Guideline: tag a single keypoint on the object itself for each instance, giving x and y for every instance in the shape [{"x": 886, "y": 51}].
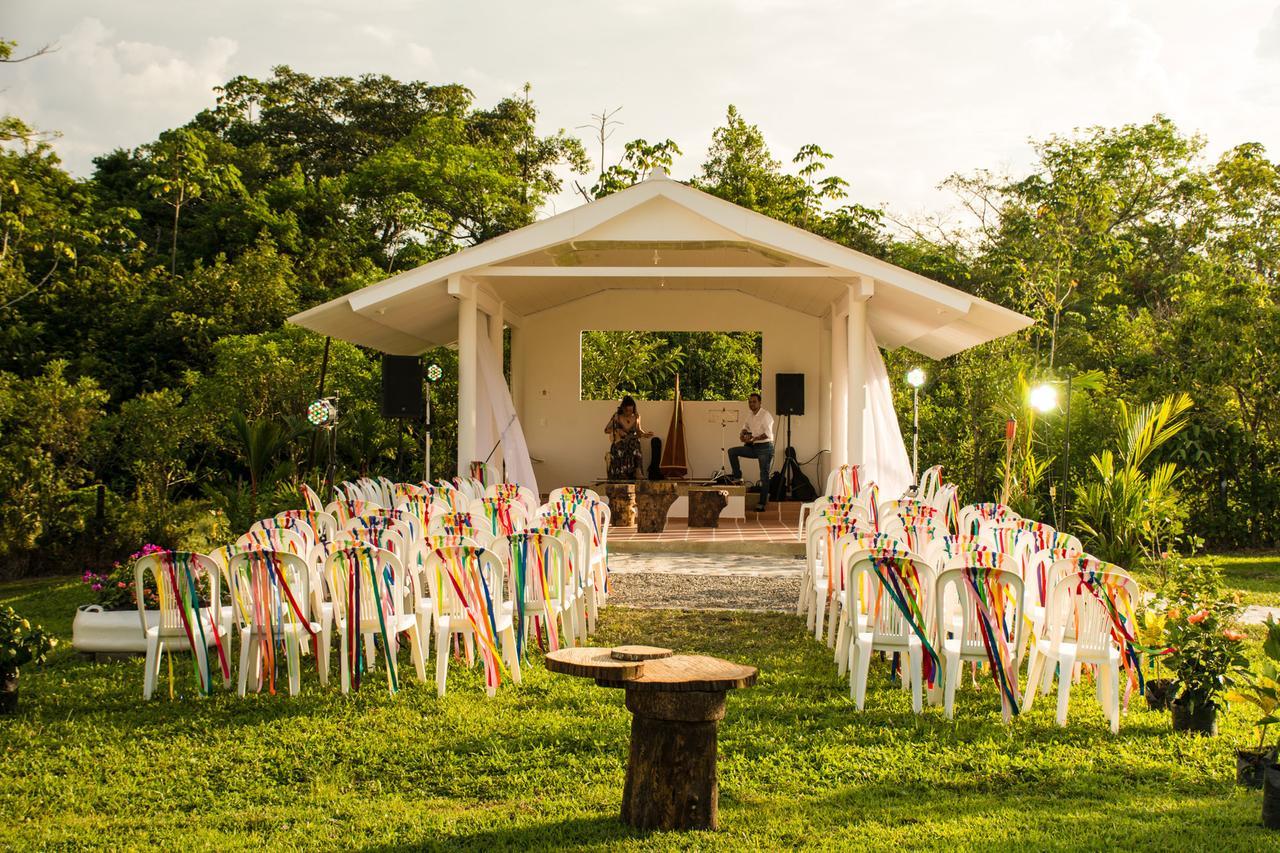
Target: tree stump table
[
  {"x": 653, "y": 500},
  {"x": 622, "y": 503},
  {"x": 676, "y": 703},
  {"x": 705, "y": 506}
]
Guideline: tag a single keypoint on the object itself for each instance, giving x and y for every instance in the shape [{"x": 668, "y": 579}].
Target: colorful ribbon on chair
[
  {"x": 990, "y": 606},
  {"x": 528, "y": 556},
  {"x": 358, "y": 562},
  {"x": 900, "y": 579},
  {"x": 1109, "y": 591},
  {"x": 273, "y": 603},
  {"x": 186, "y": 600},
  {"x": 466, "y": 577}
]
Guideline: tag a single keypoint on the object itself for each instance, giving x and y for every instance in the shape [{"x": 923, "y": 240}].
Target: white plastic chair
[
  {"x": 181, "y": 578},
  {"x": 273, "y": 591},
  {"x": 1079, "y": 629},
  {"x": 376, "y": 580},
  {"x": 961, "y": 635},
  {"x": 311, "y": 499},
  {"x": 468, "y": 585},
  {"x": 540, "y": 568},
  {"x": 501, "y": 516},
  {"x": 575, "y": 532},
  {"x": 888, "y": 629}
]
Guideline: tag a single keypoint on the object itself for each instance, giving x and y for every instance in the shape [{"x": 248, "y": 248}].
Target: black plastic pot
[
  {"x": 8, "y": 693},
  {"x": 1160, "y": 693},
  {"x": 1249, "y": 766},
  {"x": 1271, "y": 796},
  {"x": 1200, "y": 718}
]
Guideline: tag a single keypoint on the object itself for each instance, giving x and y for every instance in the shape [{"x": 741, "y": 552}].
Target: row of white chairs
[{"x": 567, "y": 591}]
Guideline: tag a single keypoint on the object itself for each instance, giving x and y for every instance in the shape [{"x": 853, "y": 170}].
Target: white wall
[{"x": 567, "y": 433}]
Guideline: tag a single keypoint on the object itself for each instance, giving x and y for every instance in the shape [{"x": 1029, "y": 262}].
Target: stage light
[
  {"x": 915, "y": 377},
  {"x": 322, "y": 413},
  {"x": 434, "y": 373},
  {"x": 1044, "y": 398}
]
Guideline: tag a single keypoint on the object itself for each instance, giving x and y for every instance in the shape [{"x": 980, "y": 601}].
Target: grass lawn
[
  {"x": 86, "y": 763},
  {"x": 1256, "y": 574}
]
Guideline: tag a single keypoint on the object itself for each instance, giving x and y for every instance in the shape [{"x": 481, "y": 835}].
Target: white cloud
[{"x": 1269, "y": 38}]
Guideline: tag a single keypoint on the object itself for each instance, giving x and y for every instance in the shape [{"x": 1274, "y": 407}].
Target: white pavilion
[{"x": 663, "y": 256}]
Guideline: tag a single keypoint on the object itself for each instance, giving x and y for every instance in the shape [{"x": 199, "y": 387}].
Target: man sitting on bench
[{"x": 757, "y": 443}]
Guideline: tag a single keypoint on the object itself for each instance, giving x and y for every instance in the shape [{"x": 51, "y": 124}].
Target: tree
[{"x": 183, "y": 174}]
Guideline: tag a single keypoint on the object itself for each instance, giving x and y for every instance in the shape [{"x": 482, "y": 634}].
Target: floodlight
[
  {"x": 322, "y": 413},
  {"x": 434, "y": 373},
  {"x": 915, "y": 377},
  {"x": 1044, "y": 398}
]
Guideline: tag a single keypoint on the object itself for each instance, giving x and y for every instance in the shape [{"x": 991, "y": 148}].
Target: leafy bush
[
  {"x": 1260, "y": 686},
  {"x": 114, "y": 589},
  {"x": 1206, "y": 650},
  {"x": 21, "y": 644}
]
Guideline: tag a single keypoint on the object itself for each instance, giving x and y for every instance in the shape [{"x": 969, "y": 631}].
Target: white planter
[
  {"x": 95, "y": 630},
  {"x": 98, "y": 630}
]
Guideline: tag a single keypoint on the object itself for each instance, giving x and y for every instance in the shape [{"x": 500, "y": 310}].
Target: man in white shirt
[{"x": 757, "y": 443}]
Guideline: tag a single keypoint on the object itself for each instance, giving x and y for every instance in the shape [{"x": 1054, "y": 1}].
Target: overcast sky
[{"x": 902, "y": 93}]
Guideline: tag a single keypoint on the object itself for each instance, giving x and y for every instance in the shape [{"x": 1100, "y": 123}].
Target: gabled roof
[{"x": 661, "y": 234}]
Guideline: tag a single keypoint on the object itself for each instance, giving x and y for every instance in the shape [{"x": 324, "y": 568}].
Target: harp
[{"x": 675, "y": 453}]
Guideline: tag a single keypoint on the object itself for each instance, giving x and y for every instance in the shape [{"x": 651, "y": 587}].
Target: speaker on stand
[{"x": 789, "y": 393}]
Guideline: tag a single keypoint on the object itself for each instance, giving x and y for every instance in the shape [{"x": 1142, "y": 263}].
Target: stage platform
[{"x": 770, "y": 532}]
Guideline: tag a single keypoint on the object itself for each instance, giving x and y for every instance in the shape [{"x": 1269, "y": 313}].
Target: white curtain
[
  {"x": 494, "y": 412},
  {"x": 884, "y": 453}
]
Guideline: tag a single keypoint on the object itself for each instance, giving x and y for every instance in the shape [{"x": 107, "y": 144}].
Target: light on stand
[
  {"x": 322, "y": 413},
  {"x": 1044, "y": 398},
  {"x": 915, "y": 378}
]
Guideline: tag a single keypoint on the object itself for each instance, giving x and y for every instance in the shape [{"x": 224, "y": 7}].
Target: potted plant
[
  {"x": 1260, "y": 687},
  {"x": 20, "y": 644},
  {"x": 1205, "y": 649},
  {"x": 1160, "y": 688}
]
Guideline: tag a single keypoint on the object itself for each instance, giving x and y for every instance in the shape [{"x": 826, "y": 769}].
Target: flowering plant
[
  {"x": 1260, "y": 687},
  {"x": 1206, "y": 650},
  {"x": 113, "y": 589},
  {"x": 21, "y": 644}
]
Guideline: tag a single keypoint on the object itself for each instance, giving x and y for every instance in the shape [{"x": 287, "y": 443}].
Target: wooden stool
[
  {"x": 676, "y": 704},
  {"x": 705, "y": 506},
  {"x": 622, "y": 503},
  {"x": 653, "y": 500}
]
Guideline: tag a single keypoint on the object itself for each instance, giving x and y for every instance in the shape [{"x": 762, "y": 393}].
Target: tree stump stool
[
  {"x": 705, "y": 506},
  {"x": 676, "y": 704},
  {"x": 622, "y": 503},
  {"x": 653, "y": 500}
]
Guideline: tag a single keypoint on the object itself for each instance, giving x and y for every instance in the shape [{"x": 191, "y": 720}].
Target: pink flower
[
  {"x": 97, "y": 587},
  {"x": 1235, "y": 636},
  {"x": 1198, "y": 617}
]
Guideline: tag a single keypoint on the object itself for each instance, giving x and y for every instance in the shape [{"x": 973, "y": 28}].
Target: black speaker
[
  {"x": 402, "y": 387},
  {"x": 790, "y": 393}
]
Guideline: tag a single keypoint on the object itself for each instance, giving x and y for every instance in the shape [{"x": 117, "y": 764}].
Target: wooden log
[
  {"x": 705, "y": 506},
  {"x": 622, "y": 504},
  {"x": 653, "y": 500},
  {"x": 639, "y": 652},
  {"x": 671, "y": 771}
]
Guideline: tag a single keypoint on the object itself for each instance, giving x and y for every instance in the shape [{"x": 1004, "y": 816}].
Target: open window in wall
[{"x": 711, "y": 365}]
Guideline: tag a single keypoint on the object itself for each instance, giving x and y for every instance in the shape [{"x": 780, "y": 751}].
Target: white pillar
[
  {"x": 839, "y": 390},
  {"x": 857, "y": 351},
  {"x": 824, "y": 397},
  {"x": 496, "y": 322},
  {"x": 467, "y": 373}
]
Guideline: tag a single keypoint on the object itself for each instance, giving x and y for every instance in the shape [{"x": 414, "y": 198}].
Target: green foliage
[
  {"x": 639, "y": 158},
  {"x": 21, "y": 644},
  {"x": 711, "y": 365},
  {"x": 1130, "y": 512},
  {"x": 46, "y": 424},
  {"x": 1260, "y": 686}
]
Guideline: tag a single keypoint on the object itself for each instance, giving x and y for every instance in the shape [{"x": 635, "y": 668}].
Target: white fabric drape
[
  {"x": 884, "y": 453},
  {"x": 494, "y": 411}
]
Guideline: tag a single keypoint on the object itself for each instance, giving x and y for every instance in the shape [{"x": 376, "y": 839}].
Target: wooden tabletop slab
[
  {"x": 686, "y": 673},
  {"x": 640, "y": 652},
  {"x": 592, "y": 663}
]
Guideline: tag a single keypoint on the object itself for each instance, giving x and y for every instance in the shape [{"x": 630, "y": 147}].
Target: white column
[
  {"x": 839, "y": 389},
  {"x": 465, "y": 292},
  {"x": 495, "y": 332},
  {"x": 857, "y": 350},
  {"x": 824, "y": 395}
]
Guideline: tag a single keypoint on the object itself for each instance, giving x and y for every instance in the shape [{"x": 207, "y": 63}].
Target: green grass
[
  {"x": 1255, "y": 574},
  {"x": 87, "y": 764}
]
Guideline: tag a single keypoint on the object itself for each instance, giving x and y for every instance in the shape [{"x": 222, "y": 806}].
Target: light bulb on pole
[
  {"x": 1044, "y": 398},
  {"x": 915, "y": 378}
]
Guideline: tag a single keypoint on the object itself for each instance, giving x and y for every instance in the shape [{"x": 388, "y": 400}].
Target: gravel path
[{"x": 704, "y": 581}]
